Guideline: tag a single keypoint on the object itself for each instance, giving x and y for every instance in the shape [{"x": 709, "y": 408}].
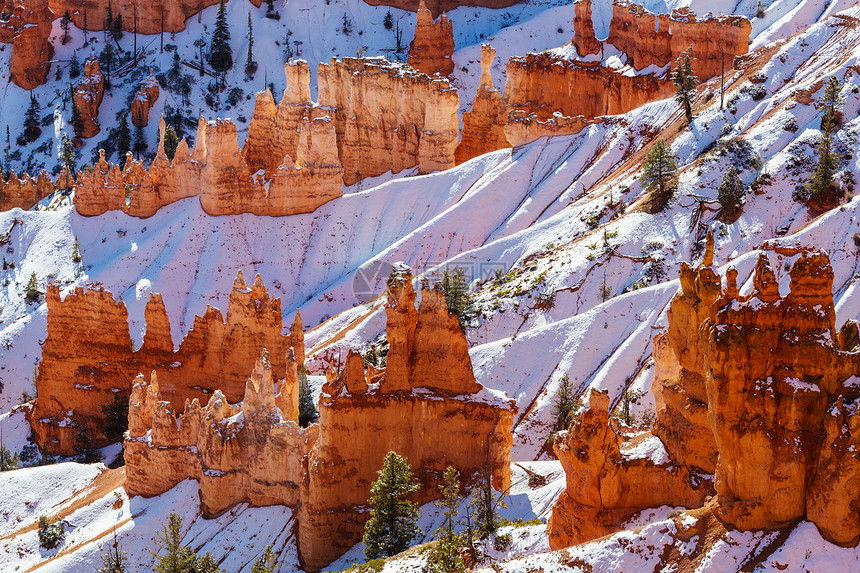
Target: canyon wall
[
  {"x": 425, "y": 405},
  {"x": 431, "y": 50},
  {"x": 28, "y": 29},
  {"x": 151, "y": 17},
  {"x": 24, "y": 192},
  {"x": 88, "y": 98},
  {"x": 484, "y": 124},
  {"x": 388, "y": 117},
  {"x": 250, "y": 453},
  {"x": 87, "y": 356}
]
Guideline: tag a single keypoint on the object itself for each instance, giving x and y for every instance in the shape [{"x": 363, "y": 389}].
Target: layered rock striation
[
  {"x": 28, "y": 29},
  {"x": 431, "y": 50},
  {"x": 87, "y": 357},
  {"x": 154, "y": 17},
  {"x": 484, "y": 124},
  {"x": 88, "y": 99},
  {"x": 24, "y": 192},
  {"x": 425, "y": 405}
]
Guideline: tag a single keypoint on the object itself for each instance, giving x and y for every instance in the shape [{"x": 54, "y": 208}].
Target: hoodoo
[{"x": 431, "y": 50}]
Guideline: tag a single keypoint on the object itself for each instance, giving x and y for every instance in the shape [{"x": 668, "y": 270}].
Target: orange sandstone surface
[
  {"x": 28, "y": 29},
  {"x": 151, "y": 17},
  {"x": 483, "y": 125},
  {"x": 87, "y": 356},
  {"x": 88, "y": 99},
  {"x": 143, "y": 101},
  {"x": 431, "y": 50},
  {"x": 24, "y": 192}
]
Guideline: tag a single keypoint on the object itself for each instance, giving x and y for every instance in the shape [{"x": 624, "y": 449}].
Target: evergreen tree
[
  {"x": 67, "y": 154},
  {"x": 106, "y": 58},
  {"x": 822, "y": 181},
  {"x": 659, "y": 171},
  {"x": 393, "y": 522},
  {"x": 685, "y": 83},
  {"x": 731, "y": 192},
  {"x": 77, "y": 120},
  {"x": 250, "y": 65},
  {"x": 174, "y": 74},
  {"x": 8, "y": 459},
  {"x": 84, "y": 446},
  {"x": 76, "y": 251},
  {"x": 32, "y": 130},
  {"x": 32, "y": 292},
  {"x": 86, "y": 31},
  {"x": 457, "y": 293},
  {"x": 388, "y": 22},
  {"x": 266, "y": 562},
  {"x": 220, "y": 56},
  {"x": 832, "y": 104},
  {"x": 171, "y": 555},
  {"x": 628, "y": 398},
  {"x": 564, "y": 404},
  {"x": 51, "y": 535},
  {"x": 139, "y": 142},
  {"x": 108, "y": 23},
  {"x": 486, "y": 504},
  {"x": 64, "y": 24},
  {"x": 171, "y": 142},
  {"x": 308, "y": 413},
  {"x": 445, "y": 556},
  {"x": 116, "y": 29},
  {"x": 205, "y": 564},
  {"x": 116, "y": 417},
  {"x": 123, "y": 138},
  {"x": 115, "y": 560}
]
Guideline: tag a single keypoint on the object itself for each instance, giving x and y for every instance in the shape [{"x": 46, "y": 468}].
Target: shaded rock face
[
  {"x": 143, "y": 101},
  {"x": 24, "y": 192},
  {"x": 484, "y": 124},
  {"x": 87, "y": 356},
  {"x": 151, "y": 17},
  {"x": 88, "y": 97},
  {"x": 28, "y": 29},
  {"x": 388, "y": 117},
  {"x": 609, "y": 481},
  {"x": 431, "y": 50},
  {"x": 250, "y": 453},
  {"x": 782, "y": 400},
  {"x": 426, "y": 406}
]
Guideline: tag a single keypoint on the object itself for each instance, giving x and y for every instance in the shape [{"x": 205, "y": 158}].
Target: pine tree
[
  {"x": 32, "y": 131},
  {"x": 220, "y": 55},
  {"x": 174, "y": 74},
  {"x": 564, "y": 404},
  {"x": 658, "y": 173},
  {"x": 393, "y": 522},
  {"x": 106, "y": 58},
  {"x": 250, "y": 65},
  {"x": 266, "y": 562},
  {"x": 171, "y": 142},
  {"x": 64, "y": 24},
  {"x": 205, "y": 564},
  {"x": 76, "y": 251},
  {"x": 116, "y": 28},
  {"x": 8, "y": 459},
  {"x": 84, "y": 446},
  {"x": 139, "y": 142},
  {"x": 457, "y": 293},
  {"x": 388, "y": 22},
  {"x": 731, "y": 192},
  {"x": 32, "y": 292},
  {"x": 308, "y": 413},
  {"x": 445, "y": 556},
  {"x": 486, "y": 504},
  {"x": 86, "y": 31},
  {"x": 116, "y": 417},
  {"x": 685, "y": 83},
  {"x": 123, "y": 138},
  {"x": 67, "y": 154},
  {"x": 171, "y": 555},
  {"x": 77, "y": 120},
  {"x": 832, "y": 104},
  {"x": 115, "y": 560},
  {"x": 822, "y": 181}
]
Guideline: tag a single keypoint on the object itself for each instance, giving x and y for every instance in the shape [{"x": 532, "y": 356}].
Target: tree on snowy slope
[
  {"x": 220, "y": 56},
  {"x": 32, "y": 131},
  {"x": 731, "y": 192},
  {"x": 685, "y": 83},
  {"x": 658, "y": 174},
  {"x": 393, "y": 522}
]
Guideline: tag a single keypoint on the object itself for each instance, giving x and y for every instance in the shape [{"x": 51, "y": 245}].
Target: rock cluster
[
  {"x": 88, "y": 98},
  {"x": 760, "y": 389},
  {"x": 28, "y": 29},
  {"x": 431, "y": 50},
  {"x": 143, "y": 101},
  {"x": 152, "y": 17},
  {"x": 87, "y": 356},
  {"x": 24, "y": 192},
  {"x": 250, "y": 453},
  {"x": 484, "y": 124},
  {"x": 425, "y": 405}
]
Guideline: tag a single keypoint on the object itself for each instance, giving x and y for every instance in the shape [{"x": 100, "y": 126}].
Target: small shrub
[
  {"x": 51, "y": 535},
  {"x": 32, "y": 292},
  {"x": 731, "y": 192},
  {"x": 502, "y": 542},
  {"x": 790, "y": 124}
]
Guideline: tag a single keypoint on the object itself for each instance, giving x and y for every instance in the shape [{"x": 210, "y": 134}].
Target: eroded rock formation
[
  {"x": 24, "y": 192},
  {"x": 143, "y": 101},
  {"x": 28, "y": 29},
  {"x": 388, "y": 117},
  {"x": 148, "y": 17},
  {"x": 436, "y": 7},
  {"x": 425, "y": 405},
  {"x": 431, "y": 50},
  {"x": 88, "y": 98},
  {"x": 483, "y": 125},
  {"x": 87, "y": 356},
  {"x": 249, "y": 453}
]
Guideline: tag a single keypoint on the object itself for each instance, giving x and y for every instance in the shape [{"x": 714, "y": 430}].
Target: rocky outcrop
[
  {"x": 436, "y": 7},
  {"x": 28, "y": 29},
  {"x": 425, "y": 405},
  {"x": 87, "y": 357},
  {"x": 249, "y": 453},
  {"x": 584, "y": 40},
  {"x": 608, "y": 481},
  {"x": 648, "y": 39},
  {"x": 24, "y": 192},
  {"x": 431, "y": 50},
  {"x": 388, "y": 117},
  {"x": 143, "y": 101},
  {"x": 149, "y": 17},
  {"x": 88, "y": 98},
  {"x": 484, "y": 124}
]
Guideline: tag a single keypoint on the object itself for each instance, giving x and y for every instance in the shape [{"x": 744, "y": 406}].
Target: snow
[{"x": 651, "y": 448}]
